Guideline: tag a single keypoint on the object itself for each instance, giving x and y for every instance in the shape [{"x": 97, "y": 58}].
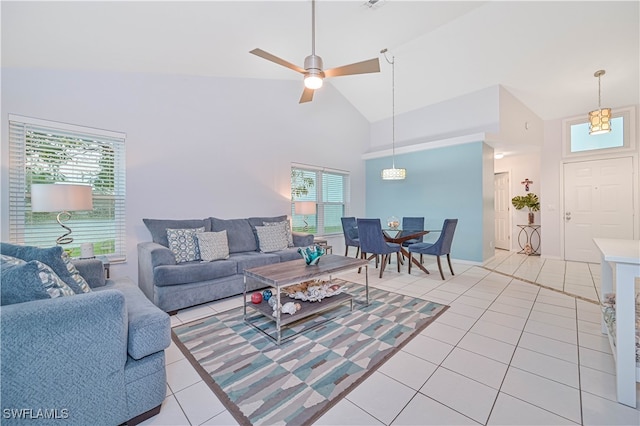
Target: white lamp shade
[
  {"x": 305, "y": 207},
  {"x": 60, "y": 197}
]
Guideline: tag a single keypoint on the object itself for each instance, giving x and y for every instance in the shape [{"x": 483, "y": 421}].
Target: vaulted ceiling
[{"x": 545, "y": 53}]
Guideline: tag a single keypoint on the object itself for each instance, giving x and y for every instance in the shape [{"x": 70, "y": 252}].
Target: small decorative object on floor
[
  {"x": 393, "y": 222},
  {"x": 256, "y": 298},
  {"x": 311, "y": 254},
  {"x": 266, "y": 295}
]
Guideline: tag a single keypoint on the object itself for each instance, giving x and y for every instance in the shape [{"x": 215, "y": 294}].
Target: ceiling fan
[{"x": 312, "y": 71}]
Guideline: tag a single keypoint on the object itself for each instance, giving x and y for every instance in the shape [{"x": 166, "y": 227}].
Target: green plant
[
  {"x": 300, "y": 184},
  {"x": 530, "y": 201}
]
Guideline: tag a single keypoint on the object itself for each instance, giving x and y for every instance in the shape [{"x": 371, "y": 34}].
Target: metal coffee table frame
[{"x": 285, "y": 274}]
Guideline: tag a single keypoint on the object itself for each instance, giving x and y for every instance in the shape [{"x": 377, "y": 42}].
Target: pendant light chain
[
  {"x": 393, "y": 111},
  {"x": 393, "y": 173},
  {"x": 599, "y": 99}
]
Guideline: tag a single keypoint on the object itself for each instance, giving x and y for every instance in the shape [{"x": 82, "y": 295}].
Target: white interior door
[
  {"x": 502, "y": 205},
  {"x": 598, "y": 202}
]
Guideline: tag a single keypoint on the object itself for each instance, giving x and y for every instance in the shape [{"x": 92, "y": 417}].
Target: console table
[
  {"x": 623, "y": 256},
  {"x": 531, "y": 235}
]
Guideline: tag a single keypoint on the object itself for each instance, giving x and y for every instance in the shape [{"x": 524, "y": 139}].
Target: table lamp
[
  {"x": 305, "y": 208},
  {"x": 62, "y": 198}
]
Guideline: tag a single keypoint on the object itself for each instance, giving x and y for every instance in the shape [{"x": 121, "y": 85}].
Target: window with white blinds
[
  {"x": 329, "y": 189},
  {"x": 47, "y": 152}
]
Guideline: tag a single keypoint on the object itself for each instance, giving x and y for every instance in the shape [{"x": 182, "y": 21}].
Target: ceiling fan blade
[
  {"x": 269, "y": 57},
  {"x": 364, "y": 67},
  {"x": 307, "y": 95}
]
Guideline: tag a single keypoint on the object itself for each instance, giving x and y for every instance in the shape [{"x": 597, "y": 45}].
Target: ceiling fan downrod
[{"x": 314, "y": 76}]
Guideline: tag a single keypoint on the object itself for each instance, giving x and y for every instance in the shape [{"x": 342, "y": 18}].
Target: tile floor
[{"x": 506, "y": 352}]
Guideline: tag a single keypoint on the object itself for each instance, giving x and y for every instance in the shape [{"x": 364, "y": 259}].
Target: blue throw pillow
[
  {"x": 49, "y": 256},
  {"x": 21, "y": 283}
]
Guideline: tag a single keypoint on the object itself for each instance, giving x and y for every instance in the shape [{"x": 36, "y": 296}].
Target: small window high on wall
[{"x": 578, "y": 142}]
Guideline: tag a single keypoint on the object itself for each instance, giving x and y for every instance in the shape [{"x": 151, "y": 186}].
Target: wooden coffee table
[{"x": 285, "y": 274}]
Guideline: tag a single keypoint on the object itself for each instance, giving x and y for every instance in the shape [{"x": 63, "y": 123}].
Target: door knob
[{"x": 567, "y": 216}]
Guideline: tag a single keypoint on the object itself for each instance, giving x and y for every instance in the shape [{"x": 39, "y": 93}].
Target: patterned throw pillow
[
  {"x": 183, "y": 244},
  {"x": 52, "y": 283},
  {"x": 287, "y": 230},
  {"x": 213, "y": 245},
  {"x": 24, "y": 281},
  {"x": 51, "y": 256},
  {"x": 272, "y": 238},
  {"x": 75, "y": 274}
]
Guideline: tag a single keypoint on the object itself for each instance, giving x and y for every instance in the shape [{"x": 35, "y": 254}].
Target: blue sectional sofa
[
  {"x": 91, "y": 358},
  {"x": 173, "y": 285}
]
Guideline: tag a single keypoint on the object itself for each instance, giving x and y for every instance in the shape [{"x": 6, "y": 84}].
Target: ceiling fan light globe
[{"x": 312, "y": 81}]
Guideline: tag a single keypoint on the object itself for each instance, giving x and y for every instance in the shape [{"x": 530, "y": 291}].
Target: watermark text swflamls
[{"x": 35, "y": 413}]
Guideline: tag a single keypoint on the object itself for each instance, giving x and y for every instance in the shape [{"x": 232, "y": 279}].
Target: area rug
[{"x": 296, "y": 382}]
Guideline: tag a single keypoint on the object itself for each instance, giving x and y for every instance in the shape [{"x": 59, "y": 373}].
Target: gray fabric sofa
[
  {"x": 173, "y": 286},
  {"x": 94, "y": 358}
]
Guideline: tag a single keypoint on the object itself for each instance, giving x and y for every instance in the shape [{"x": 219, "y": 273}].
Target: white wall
[
  {"x": 475, "y": 112},
  {"x": 550, "y": 180},
  {"x": 521, "y": 167},
  {"x": 196, "y": 146}
]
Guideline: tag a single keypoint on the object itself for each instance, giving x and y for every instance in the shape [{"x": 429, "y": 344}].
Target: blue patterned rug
[{"x": 296, "y": 382}]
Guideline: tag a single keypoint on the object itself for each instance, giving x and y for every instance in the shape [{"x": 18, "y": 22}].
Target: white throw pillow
[
  {"x": 272, "y": 238},
  {"x": 183, "y": 244},
  {"x": 213, "y": 245},
  {"x": 287, "y": 230}
]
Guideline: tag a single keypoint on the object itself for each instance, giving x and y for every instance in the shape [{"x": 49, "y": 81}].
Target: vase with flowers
[{"x": 530, "y": 201}]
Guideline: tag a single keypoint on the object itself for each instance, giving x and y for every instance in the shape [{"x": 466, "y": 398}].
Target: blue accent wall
[{"x": 441, "y": 183}]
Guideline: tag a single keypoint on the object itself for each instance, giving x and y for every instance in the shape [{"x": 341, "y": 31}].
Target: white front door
[
  {"x": 502, "y": 203},
  {"x": 598, "y": 202}
]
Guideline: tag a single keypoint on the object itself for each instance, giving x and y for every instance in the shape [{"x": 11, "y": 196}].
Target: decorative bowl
[
  {"x": 311, "y": 254},
  {"x": 393, "y": 222}
]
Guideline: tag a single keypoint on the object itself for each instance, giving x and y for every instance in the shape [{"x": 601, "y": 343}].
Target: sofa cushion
[
  {"x": 239, "y": 234},
  {"x": 50, "y": 256},
  {"x": 75, "y": 274},
  {"x": 271, "y": 238},
  {"x": 183, "y": 243},
  {"x": 288, "y": 254},
  {"x": 259, "y": 221},
  {"x": 287, "y": 230},
  {"x": 21, "y": 283},
  {"x": 158, "y": 227},
  {"x": 149, "y": 327},
  {"x": 253, "y": 259},
  {"x": 213, "y": 245},
  {"x": 191, "y": 272}
]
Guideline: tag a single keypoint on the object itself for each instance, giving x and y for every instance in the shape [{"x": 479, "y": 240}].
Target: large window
[
  {"x": 328, "y": 189},
  {"x": 48, "y": 152},
  {"x": 578, "y": 142}
]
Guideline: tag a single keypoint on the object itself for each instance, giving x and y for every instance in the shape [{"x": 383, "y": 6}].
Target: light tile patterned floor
[{"x": 507, "y": 352}]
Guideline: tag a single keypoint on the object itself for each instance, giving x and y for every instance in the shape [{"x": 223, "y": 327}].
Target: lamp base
[{"x": 64, "y": 238}]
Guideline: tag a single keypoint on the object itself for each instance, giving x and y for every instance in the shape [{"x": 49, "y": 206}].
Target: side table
[
  {"x": 529, "y": 239},
  {"x": 324, "y": 244}
]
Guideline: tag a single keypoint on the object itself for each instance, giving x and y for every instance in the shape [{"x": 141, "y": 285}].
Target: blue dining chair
[
  {"x": 410, "y": 225},
  {"x": 350, "y": 231},
  {"x": 372, "y": 242},
  {"x": 441, "y": 247}
]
